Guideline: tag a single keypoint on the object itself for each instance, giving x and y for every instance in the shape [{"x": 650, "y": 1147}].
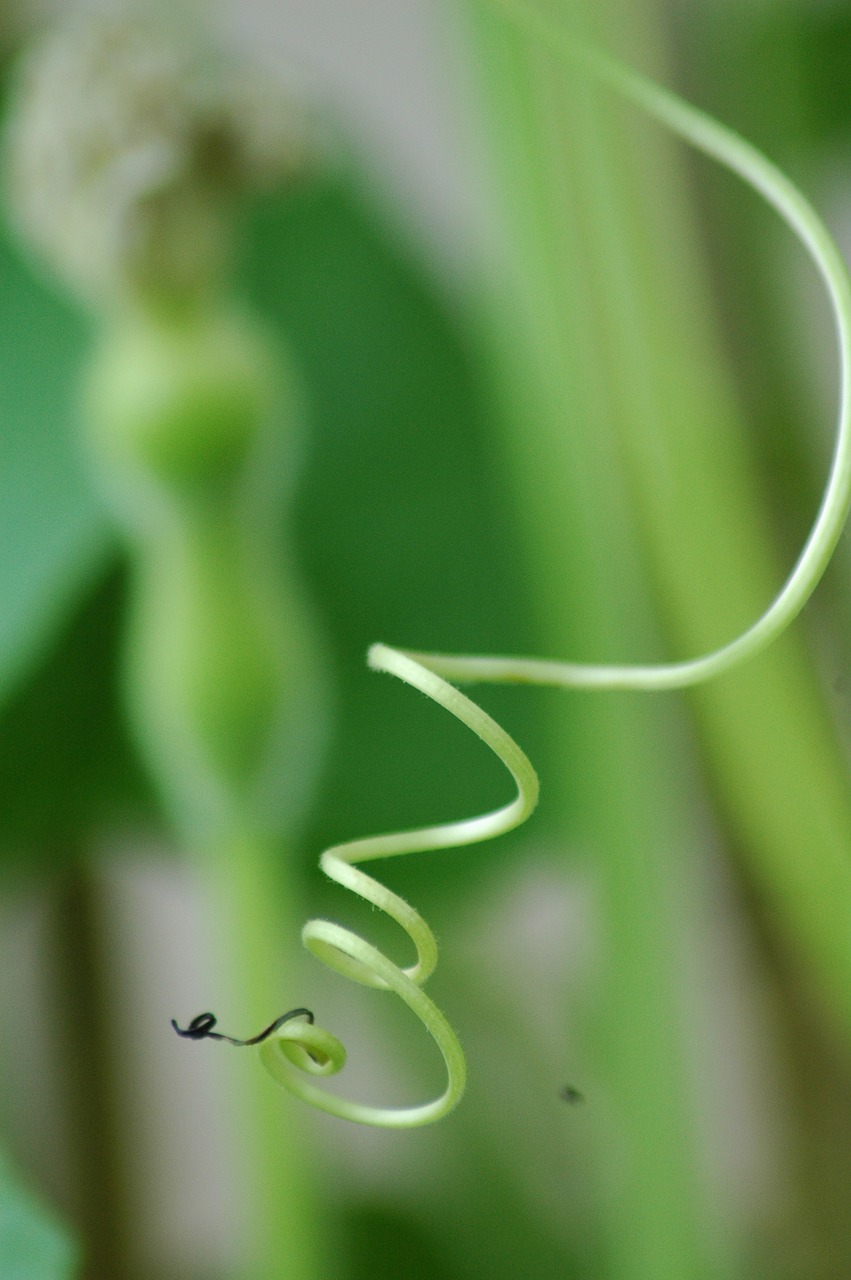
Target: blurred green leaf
[
  {"x": 67, "y": 767},
  {"x": 404, "y": 532},
  {"x": 32, "y": 1244},
  {"x": 826, "y": 53},
  {"x": 385, "y": 1242},
  {"x": 53, "y": 533}
]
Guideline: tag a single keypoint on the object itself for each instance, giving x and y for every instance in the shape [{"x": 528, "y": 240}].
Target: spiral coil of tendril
[
  {"x": 314, "y": 1050},
  {"x": 300, "y": 1049}
]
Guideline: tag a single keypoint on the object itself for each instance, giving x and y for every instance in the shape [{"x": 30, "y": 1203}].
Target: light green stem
[{"x": 619, "y": 788}]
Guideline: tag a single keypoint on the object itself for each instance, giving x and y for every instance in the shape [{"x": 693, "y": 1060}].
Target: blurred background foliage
[{"x": 407, "y": 530}]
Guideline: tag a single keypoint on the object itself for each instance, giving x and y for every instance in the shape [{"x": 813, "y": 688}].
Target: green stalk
[
  {"x": 284, "y": 1233},
  {"x": 677, "y": 444},
  {"x": 222, "y": 685},
  {"x": 622, "y": 790}
]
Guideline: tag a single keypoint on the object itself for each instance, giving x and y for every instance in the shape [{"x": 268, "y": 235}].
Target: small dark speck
[{"x": 568, "y": 1094}]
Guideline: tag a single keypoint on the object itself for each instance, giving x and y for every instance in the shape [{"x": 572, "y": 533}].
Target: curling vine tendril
[
  {"x": 299, "y": 1049},
  {"x": 355, "y": 958}
]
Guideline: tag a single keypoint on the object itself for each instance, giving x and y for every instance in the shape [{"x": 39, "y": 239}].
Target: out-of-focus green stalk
[
  {"x": 622, "y": 433},
  {"x": 623, "y": 415},
  {"x": 773, "y": 71},
  {"x": 622, "y": 790},
  {"x": 767, "y": 736},
  {"x": 284, "y": 1231},
  {"x": 222, "y": 682}
]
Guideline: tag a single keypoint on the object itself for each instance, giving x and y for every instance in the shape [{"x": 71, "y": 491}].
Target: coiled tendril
[
  {"x": 352, "y": 956},
  {"x": 300, "y": 1045}
]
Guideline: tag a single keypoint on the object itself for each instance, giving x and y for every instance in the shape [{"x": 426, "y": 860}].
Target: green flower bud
[{"x": 181, "y": 408}]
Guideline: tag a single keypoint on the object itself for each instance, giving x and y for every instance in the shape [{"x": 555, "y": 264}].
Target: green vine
[{"x": 299, "y": 1047}]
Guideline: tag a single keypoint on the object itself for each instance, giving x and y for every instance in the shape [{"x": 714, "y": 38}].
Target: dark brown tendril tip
[{"x": 201, "y": 1027}]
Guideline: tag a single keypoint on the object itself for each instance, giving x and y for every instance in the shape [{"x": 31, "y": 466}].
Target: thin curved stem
[
  {"x": 737, "y": 155},
  {"x": 297, "y": 1049}
]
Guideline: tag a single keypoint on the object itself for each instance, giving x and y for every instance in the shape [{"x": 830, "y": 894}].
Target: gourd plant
[{"x": 186, "y": 478}]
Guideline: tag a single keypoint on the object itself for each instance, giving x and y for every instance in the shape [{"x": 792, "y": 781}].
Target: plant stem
[
  {"x": 623, "y": 793},
  {"x": 285, "y": 1230}
]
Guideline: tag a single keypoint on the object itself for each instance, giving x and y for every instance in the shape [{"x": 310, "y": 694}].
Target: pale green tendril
[
  {"x": 314, "y": 1051},
  {"x": 309, "y": 1048},
  {"x": 733, "y": 153}
]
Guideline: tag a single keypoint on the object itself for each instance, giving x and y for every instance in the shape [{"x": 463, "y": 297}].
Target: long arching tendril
[
  {"x": 733, "y": 153},
  {"x": 298, "y": 1049}
]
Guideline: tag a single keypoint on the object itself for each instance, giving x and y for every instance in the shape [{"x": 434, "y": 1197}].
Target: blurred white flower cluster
[{"x": 125, "y": 146}]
